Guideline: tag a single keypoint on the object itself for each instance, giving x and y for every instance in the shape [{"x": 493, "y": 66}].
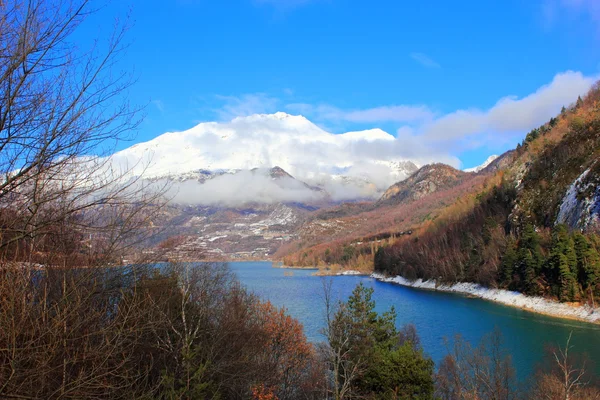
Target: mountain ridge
[{"x": 347, "y": 165}]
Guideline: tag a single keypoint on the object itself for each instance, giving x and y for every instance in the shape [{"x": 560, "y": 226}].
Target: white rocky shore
[
  {"x": 351, "y": 272},
  {"x": 506, "y": 297}
]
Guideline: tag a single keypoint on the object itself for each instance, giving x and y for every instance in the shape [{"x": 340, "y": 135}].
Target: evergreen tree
[
  {"x": 509, "y": 260},
  {"x": 568, "y": 283},
  {"x": 561, "y": 268},
  {"x": 530, "y": 260},
  {"x": 391, "y": 368},
  {"x": 588, "y": 264}
]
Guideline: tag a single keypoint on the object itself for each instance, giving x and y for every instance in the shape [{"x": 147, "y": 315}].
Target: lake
[{"x": 436, "y": 315}]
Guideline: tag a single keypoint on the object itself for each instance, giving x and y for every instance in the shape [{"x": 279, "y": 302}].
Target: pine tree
[
  {"x": 509, "y": 260},
  {"x": 588, "y": 264},
  {"x": 562, "y": 266},
  {"x": 391, "y": 368},
  {"x": 568, "y": 283},
  {"x": 530, "y": 260}
]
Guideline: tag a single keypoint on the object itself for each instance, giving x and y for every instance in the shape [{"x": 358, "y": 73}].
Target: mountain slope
[
  {"x": 348, "y": 234},
  {"x": 535, "y": 230},
  {"x": 427, "y": 180}
]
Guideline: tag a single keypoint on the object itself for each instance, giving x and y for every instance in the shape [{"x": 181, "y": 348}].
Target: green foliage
[
  {"x": 532, "y": 135},
  {"x": 577, "y": 124},
  {"x": 393, "y": 365},
  {"x": 561, "y": 267},
  {"x": 529, "y": 261},
  {"x": 588, "y": 262},
  {"x": 193, "y": 386},
  {"x": 509, "y": 261},
  {"x": 347, "y": 254},
  {"x": 402, "y": 373}
]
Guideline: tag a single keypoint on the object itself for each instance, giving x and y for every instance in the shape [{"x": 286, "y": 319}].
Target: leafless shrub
[
  {"x": 564, "y": 375},
  {"x": 483, "y": 372}
]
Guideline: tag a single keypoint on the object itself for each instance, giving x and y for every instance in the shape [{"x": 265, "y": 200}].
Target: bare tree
[
  {"x": 61, "y": 113},
  {"x": 564, "y": 377},
  {"x": 67, "y": 332},
  {"x": 483, "y": 372}
]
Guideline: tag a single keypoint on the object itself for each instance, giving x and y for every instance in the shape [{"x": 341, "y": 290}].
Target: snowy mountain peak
[
  {"x": 278, "y": 116},
  {"x": 487, "y": 162},
  {"x": 359, "y": 164},
  {"x": 369, "y": 135}
]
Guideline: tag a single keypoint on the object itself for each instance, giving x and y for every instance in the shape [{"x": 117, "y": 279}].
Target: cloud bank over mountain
[
  {"x": 352, "y": 165},
  {"x": 358, "y": 164},
  {"x": 422, "y": 130}
]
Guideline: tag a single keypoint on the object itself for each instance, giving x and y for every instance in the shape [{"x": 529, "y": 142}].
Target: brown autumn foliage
[
  {"x": 182, "y": 331},
  {"x": 470, "y": 243},
  {"x": 464, "y": 248},
  {"x": 319, "y": 247},
  {"x": 74, "y": 321}
]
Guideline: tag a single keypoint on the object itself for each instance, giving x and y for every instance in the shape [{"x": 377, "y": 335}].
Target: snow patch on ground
[
  {"x": 506, "y": 297},
  {"x": 350, "y": 272}
]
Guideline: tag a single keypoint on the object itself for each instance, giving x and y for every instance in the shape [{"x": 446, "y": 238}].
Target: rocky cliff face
[
  {"x": 427, "y": 180},
  {"x": 580, "y": 207}
]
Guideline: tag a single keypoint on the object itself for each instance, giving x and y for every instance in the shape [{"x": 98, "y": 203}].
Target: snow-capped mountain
[
  {"x": 210, "y": 162},
  {"x": 487, "y": 162}
]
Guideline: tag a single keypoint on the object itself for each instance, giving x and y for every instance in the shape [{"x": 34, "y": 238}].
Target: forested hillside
[
  {"x": 535, "y": 229},
  {"x": 349, "y": 234}
]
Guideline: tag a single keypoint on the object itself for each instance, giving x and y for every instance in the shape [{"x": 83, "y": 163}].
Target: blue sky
[{"x": 450, "y": 74}]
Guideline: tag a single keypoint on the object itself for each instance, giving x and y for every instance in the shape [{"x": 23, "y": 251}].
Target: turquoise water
[{"x": 436, "y": 315}]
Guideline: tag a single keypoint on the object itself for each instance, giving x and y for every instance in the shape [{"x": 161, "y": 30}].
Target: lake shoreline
[
  {"x": 538, "y": 305},
  {"x": 336, "y": 271}
]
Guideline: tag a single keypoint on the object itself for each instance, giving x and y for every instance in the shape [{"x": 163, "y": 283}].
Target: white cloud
[
  {"x": 391, "y": 113},
  {"x": 312, "y": 154},
  {"x": 243, "y": 187},
  {"x": 245, "y": 105},
  {"x": 293, "y": 143},
  {"x": 510, "y": 115},
  {"x": 424, "y": 60}
]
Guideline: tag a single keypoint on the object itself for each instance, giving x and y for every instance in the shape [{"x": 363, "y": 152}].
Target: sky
[{"x": 461, "y": 79}]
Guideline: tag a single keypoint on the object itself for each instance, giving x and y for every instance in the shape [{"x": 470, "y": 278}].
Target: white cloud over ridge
[
  {"x": 245, "y": 105},
  {"x": 355, "y": 164},
  {"x": 510, "y": 115},
  {"x": 359, "y": 164},
  {"x": 243, "y": 187},
  {"x": 390, "y": 113}
]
